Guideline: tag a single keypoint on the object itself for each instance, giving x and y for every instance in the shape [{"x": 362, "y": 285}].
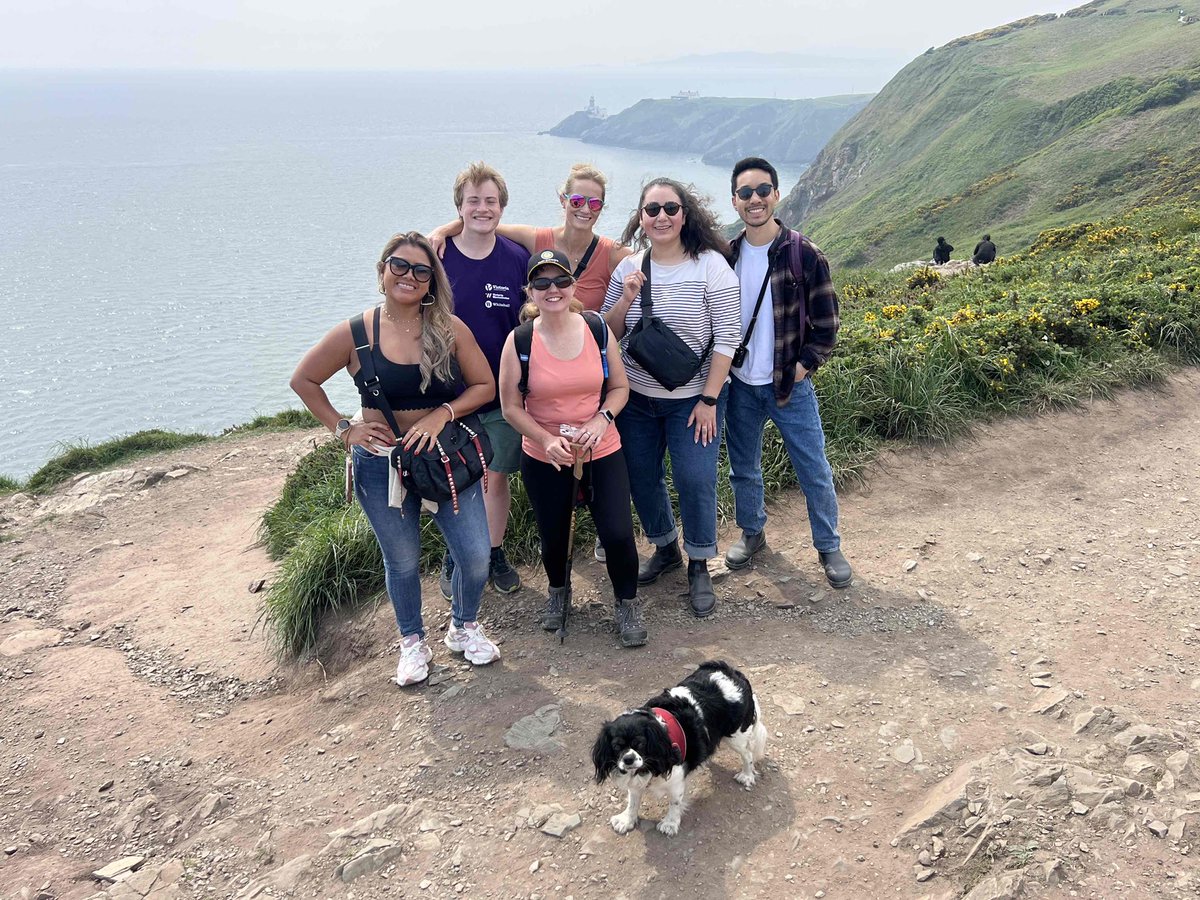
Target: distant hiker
[
  {"x": 786, "y": 278},
  {"x": 428, "y": 371},
  {"x": 941, "y": 253},
  {"x": 985, "y": 251},
  {"x": 486, "y": 273}
]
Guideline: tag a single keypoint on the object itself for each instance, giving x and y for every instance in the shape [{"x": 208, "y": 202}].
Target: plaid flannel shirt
[{"x": 804, "y": 304}]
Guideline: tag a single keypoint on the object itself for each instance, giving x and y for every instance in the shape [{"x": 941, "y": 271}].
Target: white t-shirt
[
  {"x": 759, "y": 367},
  {"x": 697, "y": 299}
]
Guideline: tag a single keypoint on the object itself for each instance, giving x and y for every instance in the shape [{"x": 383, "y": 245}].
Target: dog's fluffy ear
[{"x": 604, "y": 757}]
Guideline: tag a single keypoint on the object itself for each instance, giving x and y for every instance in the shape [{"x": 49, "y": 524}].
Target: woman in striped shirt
[{"x": 695, "y": 293}]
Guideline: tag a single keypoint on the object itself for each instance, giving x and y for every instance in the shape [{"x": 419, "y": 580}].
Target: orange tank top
[
  {"x": 591, "y": 285},
  {"x": 566, "y": 391}
]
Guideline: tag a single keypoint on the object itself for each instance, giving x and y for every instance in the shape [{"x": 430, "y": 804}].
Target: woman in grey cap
[{"x": 561, "y": 389}]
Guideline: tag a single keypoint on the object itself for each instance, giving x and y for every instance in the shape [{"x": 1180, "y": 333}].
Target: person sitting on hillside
[
  {"x": 941, "y": 253},
  {"x": 985, "y": 251}
]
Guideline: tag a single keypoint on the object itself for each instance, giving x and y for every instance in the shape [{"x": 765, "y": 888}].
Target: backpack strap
[
  {"x": 366, "y": 362},
  {"x": 587, "y": 256},
  {"x": 523, "y": 342},
  {"x": 599, "y": 330}
]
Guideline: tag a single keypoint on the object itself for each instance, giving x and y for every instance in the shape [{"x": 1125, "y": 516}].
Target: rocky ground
[{"x": 1005, "y": 703}]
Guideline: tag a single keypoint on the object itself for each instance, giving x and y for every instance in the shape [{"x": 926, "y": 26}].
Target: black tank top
[{"x": 401, "y": 382}]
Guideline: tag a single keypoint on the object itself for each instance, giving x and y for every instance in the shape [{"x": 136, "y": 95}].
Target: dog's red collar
[{"x": 675, "y": 733}]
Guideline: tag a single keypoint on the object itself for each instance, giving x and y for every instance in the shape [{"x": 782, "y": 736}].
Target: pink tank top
[
  {"x": 565, "y": 391},
  {"x": 590, "y": 288}
]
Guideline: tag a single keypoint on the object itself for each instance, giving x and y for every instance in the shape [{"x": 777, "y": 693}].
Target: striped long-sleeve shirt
[
  {"x": 804, "y": 303},
  {"x": 699, "y": 299}
]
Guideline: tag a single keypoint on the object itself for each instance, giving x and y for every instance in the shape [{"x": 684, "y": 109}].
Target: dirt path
[{"x": 142, "y": 715}]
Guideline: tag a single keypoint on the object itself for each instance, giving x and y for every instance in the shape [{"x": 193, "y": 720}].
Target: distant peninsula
[{"x": 721, "y": 129}]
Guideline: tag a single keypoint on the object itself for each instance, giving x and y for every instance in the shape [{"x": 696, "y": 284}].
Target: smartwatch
[
  {"x": 343, "y": 425},
  {"x": 707, "y": 400},
  {"x": 608, "y": 415}
]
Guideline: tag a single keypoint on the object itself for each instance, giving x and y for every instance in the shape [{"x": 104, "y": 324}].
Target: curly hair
[
  {"x": 700, "y": 230},
  {"x": 437, "y": 327}
]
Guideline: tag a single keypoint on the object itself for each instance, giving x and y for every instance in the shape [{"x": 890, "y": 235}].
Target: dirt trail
[{"x": 142, "y": 715}]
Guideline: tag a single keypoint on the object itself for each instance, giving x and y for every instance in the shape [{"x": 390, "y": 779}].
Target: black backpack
[{"x": 523, "y": 341}]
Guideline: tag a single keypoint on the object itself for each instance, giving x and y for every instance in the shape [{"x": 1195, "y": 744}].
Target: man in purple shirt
[{"x": 487, "y": 274}]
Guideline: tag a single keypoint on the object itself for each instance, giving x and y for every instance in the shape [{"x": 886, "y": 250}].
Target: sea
[{"x": 172, "y": 242}]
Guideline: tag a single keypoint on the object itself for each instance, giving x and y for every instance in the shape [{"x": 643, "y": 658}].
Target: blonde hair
[
  {"x": 586, "y": 172},
  {"x": 437, "y": 326},
  {"x": 477, "y": 173}
]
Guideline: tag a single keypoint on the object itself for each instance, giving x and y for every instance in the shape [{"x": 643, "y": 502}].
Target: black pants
[{"x": 606, "y": 488}]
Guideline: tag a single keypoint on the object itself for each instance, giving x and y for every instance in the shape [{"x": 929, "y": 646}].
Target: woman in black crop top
[{"x": 431, "y": 370}]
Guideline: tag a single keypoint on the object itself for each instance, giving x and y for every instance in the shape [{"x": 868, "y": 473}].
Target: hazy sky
[{"x": 372, "y": 34}]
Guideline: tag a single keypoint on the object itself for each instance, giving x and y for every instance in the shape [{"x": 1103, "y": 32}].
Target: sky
[{"x": 472, "y": 34}]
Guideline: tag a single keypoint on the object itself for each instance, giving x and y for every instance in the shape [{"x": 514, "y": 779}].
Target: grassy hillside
[
  {"x": 722, "y": 129},
  {"x": 1030, "y": 126}
]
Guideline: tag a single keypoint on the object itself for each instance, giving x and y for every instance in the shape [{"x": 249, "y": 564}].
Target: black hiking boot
[
  {"x": 664, "y": 559},
  {"x": 631, "y": 627}
]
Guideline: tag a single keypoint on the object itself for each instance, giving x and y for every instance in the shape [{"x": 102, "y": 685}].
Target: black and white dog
[{"x": 676, "y": 732}]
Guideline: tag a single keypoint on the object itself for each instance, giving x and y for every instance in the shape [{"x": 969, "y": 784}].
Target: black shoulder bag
[
  {"x": 659, "y": 350},
  {"x": 459, "y": 456}
]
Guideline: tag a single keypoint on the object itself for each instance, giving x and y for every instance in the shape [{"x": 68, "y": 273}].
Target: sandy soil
[{"x": 141, "y": 713}]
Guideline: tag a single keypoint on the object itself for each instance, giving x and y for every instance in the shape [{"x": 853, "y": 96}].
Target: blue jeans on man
[{"x": 799, "y": 424}]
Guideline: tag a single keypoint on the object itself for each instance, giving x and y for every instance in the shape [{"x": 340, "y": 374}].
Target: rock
[
  {"x": 1038, "y": 749},
  {"x": 257, "y": 585},
  {"x": 905, "y": 753},
  {"x": 925, "y": 858},
  {"x": 1041, "y": 682},
  {"x": 560, "y": 823},
  {"x": 30, "y": 641},
  {"x": 975, "y": 557},
  {"x": 889, "y": 729},
  {"x": 114, "y": 870},
  {"x": 1079, "y": 809},
  {"x": 1052, "y": 871},
  {"x": 285, "y": 878},
  {"x": 1142, "y": 767},
  {"x": 948, "y": 798},
  {"x": 395, "y": 814},
  {"x": 1175, "y": 832},
  {"x": 533, "y": 732},
  {"x": 1142, "y": 738},
  {"x": 949, "y": 737},
  {"x": 909, "y": 565},
  {"x": 790, "y": 703},
  {"x": 998, "y": 887},
  {"x": 939, "y": 848},
  {"x": 1177, "y": 762},
  {"x": 211, "y": 805},
  {"x": 542, "y": 812},
  {"x": 1157, "y": 828},
  {"x": 374, "y": 856},
  {"x": 1098, "y": 718},
  {"x": 596, "y": 841},
  {"x": 1049, "y": 702},
  {"x": 925, "y": 874}
]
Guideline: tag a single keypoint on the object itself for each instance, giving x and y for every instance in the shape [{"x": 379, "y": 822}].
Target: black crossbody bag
[
  {"x": 659, "y": 350},
  {"x": 459, "y": 456}
]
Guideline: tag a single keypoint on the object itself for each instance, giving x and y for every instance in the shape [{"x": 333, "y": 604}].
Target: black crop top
[{"x": 401, "y": 382}]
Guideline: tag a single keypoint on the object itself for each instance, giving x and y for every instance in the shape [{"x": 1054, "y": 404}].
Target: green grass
[
  {"x": 280, "y": 421},
  {"x": 1087, "y": 310},
  {"x": 83, "y": 457},
  {"x": 9, "y": 485}
]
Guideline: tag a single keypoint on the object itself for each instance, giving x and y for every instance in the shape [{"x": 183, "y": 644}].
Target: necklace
[{"x": 414, "y": 321}]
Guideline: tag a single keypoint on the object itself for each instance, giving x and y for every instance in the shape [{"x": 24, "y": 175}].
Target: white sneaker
[
  {"x": 414, "y": 662},
  {"x": 472, "y": 643}
]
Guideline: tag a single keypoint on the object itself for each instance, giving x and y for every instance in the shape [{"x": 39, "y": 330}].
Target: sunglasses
[
  {"x": 763, "y": 190},
  {"x": 402, "y": 267},
  {"x": 653, "y": 209},
  {"x": 595, "y": 204},
  {"x": 559, "y": 281}
]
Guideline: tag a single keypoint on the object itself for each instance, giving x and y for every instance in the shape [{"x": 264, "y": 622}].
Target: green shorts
[{"x": 506, "y": 443}]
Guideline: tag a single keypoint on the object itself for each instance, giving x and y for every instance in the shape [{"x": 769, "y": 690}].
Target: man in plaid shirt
[{"x": 786, "y": 277}]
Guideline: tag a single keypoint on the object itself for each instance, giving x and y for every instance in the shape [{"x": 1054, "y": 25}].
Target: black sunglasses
[
  {"x": 559, "y": 281},
  {"x": 763, "y": 190},
  {"x": 401, "y": 267},
  {"x": 653, "y": 209}
]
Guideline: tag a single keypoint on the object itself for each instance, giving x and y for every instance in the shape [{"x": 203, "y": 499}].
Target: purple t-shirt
[{"x": 488, "y": 295}]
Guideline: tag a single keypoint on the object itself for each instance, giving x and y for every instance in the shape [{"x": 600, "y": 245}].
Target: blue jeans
[
  {"x": 799, "y": 423},
  {"x": 650, "y": 428},
  {"x": 399, "y": 539}
]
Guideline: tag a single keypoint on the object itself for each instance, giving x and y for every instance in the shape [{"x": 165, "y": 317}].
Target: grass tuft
[{"x": 84, "y": 457}]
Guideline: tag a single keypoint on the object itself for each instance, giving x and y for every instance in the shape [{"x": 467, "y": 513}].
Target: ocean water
[{"x": 171, "y": 244}]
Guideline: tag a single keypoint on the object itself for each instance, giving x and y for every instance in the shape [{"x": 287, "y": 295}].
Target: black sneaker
[
  {"x": 664, "y": 559},
  {"x": 553, "y": 613},
  {"x": 501, "y": 575},
  {"x": 446, "y": 578},
  {"x": 631, "y": 627}
]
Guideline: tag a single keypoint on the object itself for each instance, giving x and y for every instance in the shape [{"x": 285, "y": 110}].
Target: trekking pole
[{"x": 576, "y": 477}]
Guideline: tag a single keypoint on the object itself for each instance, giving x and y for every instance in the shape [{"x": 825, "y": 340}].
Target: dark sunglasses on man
[
  {"x": 577, "y": 201},
  {"x": 401, "y": 267},
  {"x": 653, "y": 209},
  {"x": 559, "y": 281},
  {"x": 763, "y": 190}
]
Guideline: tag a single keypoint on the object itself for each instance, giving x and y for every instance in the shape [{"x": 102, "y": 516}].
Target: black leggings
[{"x": 606, "y": 485}]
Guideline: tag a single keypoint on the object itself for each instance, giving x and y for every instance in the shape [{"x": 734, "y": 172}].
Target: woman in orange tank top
[
  {"x": 582, "y": 199},
  {"x": 562, "y": 418}
]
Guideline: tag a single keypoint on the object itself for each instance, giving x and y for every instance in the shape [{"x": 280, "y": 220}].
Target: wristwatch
[
  {"x": 343, "y": 425},
  {"x": 608, "y": 415},
  {"x": 707, "y": 400}
]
